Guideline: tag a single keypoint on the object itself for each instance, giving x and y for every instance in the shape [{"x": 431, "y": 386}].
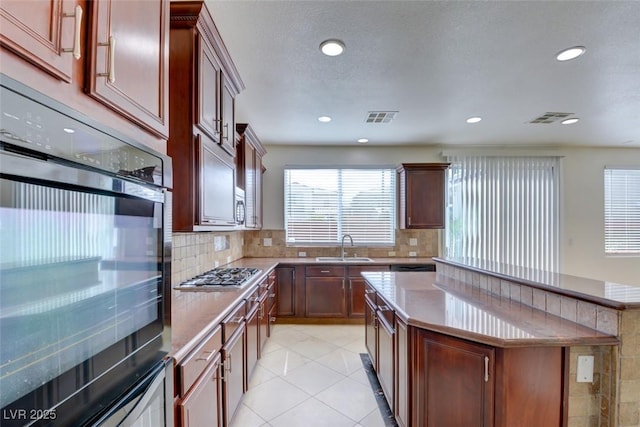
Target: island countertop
[{"x": 465, "y": 313}]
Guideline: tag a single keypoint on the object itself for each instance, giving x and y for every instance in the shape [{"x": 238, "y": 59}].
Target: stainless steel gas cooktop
[{"x": 220, "y": 278}]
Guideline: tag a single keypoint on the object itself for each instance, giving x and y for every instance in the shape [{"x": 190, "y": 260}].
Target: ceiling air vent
[
  {"x": 550, "y": 117},
  {"x": 380, "y": 116}
]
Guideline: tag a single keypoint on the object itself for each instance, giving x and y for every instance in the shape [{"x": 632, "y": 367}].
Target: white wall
[
  {"x": 582, "y": 245},
  {"x": 582, "y": 241}
]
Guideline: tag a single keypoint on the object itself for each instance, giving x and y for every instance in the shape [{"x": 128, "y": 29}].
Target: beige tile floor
[{"x": 310, "y": 375}]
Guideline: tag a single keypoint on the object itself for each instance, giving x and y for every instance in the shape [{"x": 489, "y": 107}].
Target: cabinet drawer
[
  {"x": 355, "y": 270},
  {"x": 233, "y": 321},
  {"x": 324, "y": 270},
  {"x": 385, "y": 312},
  {"x": 195, "y": 363},
  {"x": 254, "y": 299}
]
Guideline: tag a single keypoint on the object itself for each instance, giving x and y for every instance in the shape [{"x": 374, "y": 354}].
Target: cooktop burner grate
[{"x": 222, "y": 277}]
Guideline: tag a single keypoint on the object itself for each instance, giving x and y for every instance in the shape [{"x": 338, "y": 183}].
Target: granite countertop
[
  {"x": 477, "y": 316},
  {"x": 194, "y": 313},
  {"x": 614, "y": 295}
]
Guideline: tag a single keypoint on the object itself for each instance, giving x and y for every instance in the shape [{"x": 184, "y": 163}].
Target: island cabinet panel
[
  {"x": 128, "y": 76},
  {"x": 421, "y": 192},
  {"x": 386, "y": 359},
  {"x": 370, "y": 332},
  {"x": 500, "y": 387},
  {"x": 403, "y": 375},
  {"x": 42, "y": 32}
]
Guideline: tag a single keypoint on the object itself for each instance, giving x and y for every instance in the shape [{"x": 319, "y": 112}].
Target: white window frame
[
  {"x": 340, "y": 208},
  {"x": 622, "y": 211}
]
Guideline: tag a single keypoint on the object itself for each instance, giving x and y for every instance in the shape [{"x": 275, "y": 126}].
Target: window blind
[
  {"x": 504, "y": 211},
  {"x": 321, "y": 205},
  {"x": 622, "y": 211}
]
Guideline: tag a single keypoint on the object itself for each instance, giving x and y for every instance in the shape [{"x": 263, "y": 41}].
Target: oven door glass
[{"x": 80, "y": 289}]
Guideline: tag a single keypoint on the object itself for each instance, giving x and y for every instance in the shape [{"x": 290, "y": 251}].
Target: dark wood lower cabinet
[
  {"x": 233, "y": 374},
  {"x": 454, "y": 382},
  {"x": 253, "y": 336},
  {"x": 403, "y": 376},
  {"x": 386, "y": 359},
  {"x": 200, "y": 407},
  {"x": 370, "y": 334},
  {"x": 356, "y": 297},
  {"x": 286, "y": 284},
  {"x": 325, "y": 297}
]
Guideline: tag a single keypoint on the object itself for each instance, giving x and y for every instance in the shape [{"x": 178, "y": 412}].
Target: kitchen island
[{"x": 507, "y": 345}]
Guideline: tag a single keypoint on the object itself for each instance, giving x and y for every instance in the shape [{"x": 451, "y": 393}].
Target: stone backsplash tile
[{"x": 255, "y": 246}]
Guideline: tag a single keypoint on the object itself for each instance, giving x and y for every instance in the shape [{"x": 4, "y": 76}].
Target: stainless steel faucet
[{"x": 342, "y": 253}]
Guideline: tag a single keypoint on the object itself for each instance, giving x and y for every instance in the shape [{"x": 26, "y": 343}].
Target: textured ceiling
[{"x": 436, "y": 63}]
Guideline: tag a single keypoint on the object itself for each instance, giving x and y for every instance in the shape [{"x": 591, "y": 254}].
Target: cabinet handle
[
  {"x": 208, "y": 358},
  {"x": 230, "y": 366},
  {"x": 273, "y": 295},
  {"x": 369, "y": 291},
  {"x": 409, "y": 220},
  {"x": 486, "y": 369},
  {"x": 325, "y": 271},
  {"x": 237, "y": 319},
  {"x": 77, "y": 14},
  {"x": 226, "y": 128},
  {"x": 384, "y": 308},
  {"x": 260, "y": 312},
  {"x": 272, "y": 319},
  {"x": 111, "y": 69}
]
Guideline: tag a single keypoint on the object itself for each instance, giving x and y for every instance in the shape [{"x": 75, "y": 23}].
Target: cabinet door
[
  {"x": 286, "y": 293},
  {"x": 129, "y": 60},
  {"x": 250, "y": 185},
  {"x": 217, "y": 182},
  {"x": 233, "y": 364},
  {"x": 370, "y": 332},
  {"x": 44, "y": 32},
  {"x": 253, "y": 337},
  {"x": 402, "y": 409},
  {"x": 228, "y": 130},
  {"x": 263, "y": 319},
  {"x": 425, "y": 199},
  {"x": 356, "y": 297},
  {"x": 208, "y": 93},
  {"x": 386, "y": 359},
  {"x": 325, "y": 297},
  {"x": 258, "y": 192},
  {"x": 455, "y": 382},
  {"x": 201, "y": 406}
]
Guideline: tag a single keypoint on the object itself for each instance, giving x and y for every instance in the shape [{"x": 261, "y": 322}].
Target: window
[
  {"x": 320, "y": 205},
  {"x": 622, "y": 211},
  {"x": 503, "y": 212}
]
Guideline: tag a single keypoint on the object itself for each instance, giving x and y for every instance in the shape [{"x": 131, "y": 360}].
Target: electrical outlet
[
  {"x": 413, "y": 254},
  {"x": 267, "y": 241},
  {"x": 391, "y": 253},
  {"x": 413, "y": 242},
  {"x": 585, "y": 369},
  {"x": 302, "y": 254}
]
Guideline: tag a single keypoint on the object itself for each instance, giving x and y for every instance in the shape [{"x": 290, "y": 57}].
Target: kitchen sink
[{"x": 345, "y": 259}]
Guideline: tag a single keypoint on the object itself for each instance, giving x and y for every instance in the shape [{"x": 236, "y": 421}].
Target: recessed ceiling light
[
  {"x": 324, "y": 119},
  {"x": 570, "y": 53},
  {"x": 570, "y": 121},
  {"x": 69, "y": 130},
  {"x": 474, "y": 119},
  {"x": 363, "y": 140},
  {"x": 332, "y": 47}
]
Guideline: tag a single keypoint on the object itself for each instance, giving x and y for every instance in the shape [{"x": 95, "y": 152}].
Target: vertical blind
[
  {"x": 321, "y": 205},
  {"x": 504, "y": 211},
  {"x": 622, "y": 211}
]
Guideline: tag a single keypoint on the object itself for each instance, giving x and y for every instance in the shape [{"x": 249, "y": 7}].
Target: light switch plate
[
  {"x": 585, "y": 369},
  {"x": 413, "y": 241},
  {"x": 302, "y": 253},
  {"x": 267, "y": 241},
  {"x": 413, "y": 254}
]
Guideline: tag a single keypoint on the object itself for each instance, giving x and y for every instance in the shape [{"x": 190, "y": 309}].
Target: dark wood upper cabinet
[
  {"x": 202, "y": 88},
  {"x": 249, "y": 162},
  {"x": 421, "y": 195},
  {"x": 47, "y": 33},
  {"x": 128, "y": 60}
]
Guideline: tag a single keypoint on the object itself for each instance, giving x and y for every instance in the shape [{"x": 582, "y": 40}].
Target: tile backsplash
[{"x": 409, "y": 243}]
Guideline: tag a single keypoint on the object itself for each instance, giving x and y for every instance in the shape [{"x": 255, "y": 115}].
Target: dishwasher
[{"x": 413, "y": 267}]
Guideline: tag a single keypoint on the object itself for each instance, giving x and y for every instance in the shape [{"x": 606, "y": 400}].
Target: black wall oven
[{"x": 85, "y": 249}]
